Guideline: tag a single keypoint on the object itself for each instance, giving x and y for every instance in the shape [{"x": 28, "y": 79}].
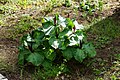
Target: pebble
[{"x": 2, "y": 77}]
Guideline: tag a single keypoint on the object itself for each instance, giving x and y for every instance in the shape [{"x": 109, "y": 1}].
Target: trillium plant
[{"x": 58, "y": 39}]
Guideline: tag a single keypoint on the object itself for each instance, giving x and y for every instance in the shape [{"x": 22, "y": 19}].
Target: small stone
[
  {"x": 0, "y": 27},
  {"x": 2, "y": 77},
  {"x": 62, "y": 77}
]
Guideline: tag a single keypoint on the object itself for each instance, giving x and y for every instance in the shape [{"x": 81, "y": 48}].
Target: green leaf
[
  {"x": 68, "y": 3},
  {"x": 24, "y": 50},
  {"x": 79, "y": 55},
  {"x": 43, "y": 44},
  {"x": 23, "y": 53},
  {"x": 68, "y": 53},
  {"x": 52, "y": 39},
  {"x": 70, "y": 23},
  {"x": 49, "y": 30},
  {"x": 80, "y": 35},
  {"x": 89, "y": 49},
  {"x": 21, "y": 58},
  {"x": 38, "y": 38},
  {"x": 46, "y": 44},
  {"x": 47, "y": 64},
  {"x": 35, "y": 45},
  {"x": 24, "y": 38},
  {"x": 62, "y": 44},
  {"x": 50, "y": 54},
  {"x": 54, "y": 42},
  {"x": 63, "y": 33},
  {"x": 36, "y": 34},
  {"x": 47, "y": 24},
  {"x": 48, "y": 27},
  {"x": 35, "y": 58}
]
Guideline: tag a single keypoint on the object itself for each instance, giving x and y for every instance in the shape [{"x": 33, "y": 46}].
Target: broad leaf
[
  {"x": 66, "y": 32},
  {"x": 46, "y": 44},
  {"x": 35, "y": 59},
  {"x": 63, "y": 33},
  {"x": 23, "y": 53},
  {"x": 47, "y": 24},
  {"x": 68, "y": 53},
  {"x": 47, "y": 64},
  {"x": 35, "y": 45},
  {"x": 24, "y": 38},
  {"x": 36, "y": 34},
  {"x": 79, "y": 55},
  {"x": 54, "y": 42},
  {"x": 21, "y": 58},
  {"x": 38, "y": 38},
  {"x": 62, "y": 44},
  {"x": 59, "y": 34},
  {"x": 70, "y": 23},
  {"x": 89, "y": 49},
  {"x": 49, "y": 30},
  {"x": 50, "y": 54}
]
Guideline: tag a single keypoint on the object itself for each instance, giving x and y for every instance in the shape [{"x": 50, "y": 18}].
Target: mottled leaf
[
  {"x": 68, "y": 53},
  {"x": 79, "y": 55},
  {"x": 35, "y": 58},
  {"x": 89, "y": 49}
]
